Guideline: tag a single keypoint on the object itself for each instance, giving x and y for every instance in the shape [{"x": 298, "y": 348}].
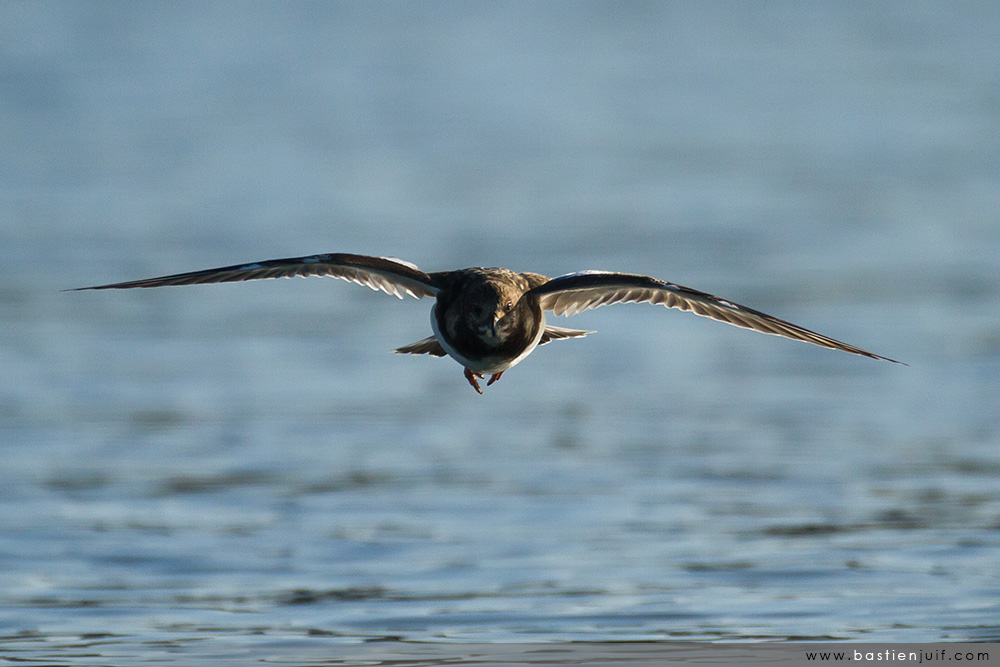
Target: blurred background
[{"x": 239, "y": 461}]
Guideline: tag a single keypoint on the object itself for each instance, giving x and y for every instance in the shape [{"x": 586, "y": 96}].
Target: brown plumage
[{"x": 489, "y": 319}]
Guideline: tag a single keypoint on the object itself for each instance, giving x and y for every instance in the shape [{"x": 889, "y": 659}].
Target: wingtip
[
  {"x": 98, "y": 287},
  {"x": 877, "y": 357}
]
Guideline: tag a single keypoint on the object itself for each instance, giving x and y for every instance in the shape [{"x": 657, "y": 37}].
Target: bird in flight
[{"x": 490, "y": 319}]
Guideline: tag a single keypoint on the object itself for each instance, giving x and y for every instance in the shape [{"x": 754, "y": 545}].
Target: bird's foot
[
  {"x": 494, "y": 378},
  {"x": 471, "y": 377}
]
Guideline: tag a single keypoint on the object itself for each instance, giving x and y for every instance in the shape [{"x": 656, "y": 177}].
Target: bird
[{"x": 491, "y": 319}]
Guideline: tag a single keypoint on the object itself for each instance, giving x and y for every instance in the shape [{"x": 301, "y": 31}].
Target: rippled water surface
[{"x": 195, "y": 472}]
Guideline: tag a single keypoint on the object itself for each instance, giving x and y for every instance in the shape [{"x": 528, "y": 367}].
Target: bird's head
[{"x": 492, "y": 310}]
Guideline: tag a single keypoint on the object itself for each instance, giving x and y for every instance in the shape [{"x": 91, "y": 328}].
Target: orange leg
[
  {"x": 471, "y": 377},
  {"x": 494, "y": 378}
]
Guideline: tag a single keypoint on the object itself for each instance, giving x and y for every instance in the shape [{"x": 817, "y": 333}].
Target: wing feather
[
  {"x": 576, "y": 292},
  {"x": 552, "y": 333},
  {"x": 429, "y": 345},
  {"x": 389, "y": 275}
]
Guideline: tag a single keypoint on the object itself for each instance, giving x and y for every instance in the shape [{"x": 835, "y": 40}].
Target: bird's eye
[{"x": 508, "y": 305}]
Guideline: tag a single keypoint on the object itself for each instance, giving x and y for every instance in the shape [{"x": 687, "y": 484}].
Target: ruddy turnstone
[{"x": 490, "y": 319}]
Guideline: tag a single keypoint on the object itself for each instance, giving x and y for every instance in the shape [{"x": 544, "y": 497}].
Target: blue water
[{"x": 235, "y": 466}]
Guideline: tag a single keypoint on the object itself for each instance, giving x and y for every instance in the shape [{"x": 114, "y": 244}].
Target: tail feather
[{"x": 431, "y": 346}]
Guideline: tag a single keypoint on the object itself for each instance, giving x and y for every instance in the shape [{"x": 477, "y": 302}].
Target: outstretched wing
[
  {"x": 392, "y": 276},
  {"x": 575, "y": 292}
]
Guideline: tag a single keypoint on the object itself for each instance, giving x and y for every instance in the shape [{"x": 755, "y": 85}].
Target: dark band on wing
[
  {"x": 576, "y": 292},
  {"x": 380, "y": 273}
]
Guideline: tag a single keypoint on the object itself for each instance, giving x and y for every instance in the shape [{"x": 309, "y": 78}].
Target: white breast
[{"x": 491, "y": 364}]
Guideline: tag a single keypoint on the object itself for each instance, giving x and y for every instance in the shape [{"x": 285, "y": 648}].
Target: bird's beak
[{"x": 497, "y": 316}]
